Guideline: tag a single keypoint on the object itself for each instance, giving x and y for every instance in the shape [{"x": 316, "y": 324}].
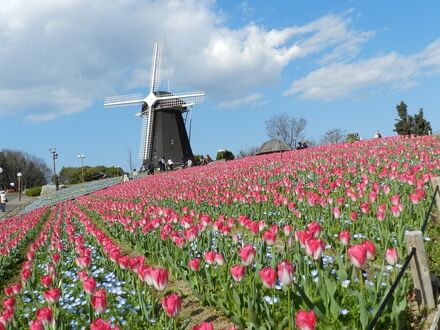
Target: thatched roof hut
[{"x": 274, "y": 145}]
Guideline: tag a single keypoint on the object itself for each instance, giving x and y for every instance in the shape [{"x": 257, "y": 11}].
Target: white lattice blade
[
  {"x": 180, "y": 99},
  {"x": 156, "y": 63},
  {"x": 123, "y": 100},
  {"x": 142, "y": 147}
]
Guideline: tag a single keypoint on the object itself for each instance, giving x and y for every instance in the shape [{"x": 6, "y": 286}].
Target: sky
[{"x": 338, "y": 64}]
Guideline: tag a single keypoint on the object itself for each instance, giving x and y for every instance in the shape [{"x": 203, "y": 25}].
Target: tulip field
[{"x": 309, "y": 239}]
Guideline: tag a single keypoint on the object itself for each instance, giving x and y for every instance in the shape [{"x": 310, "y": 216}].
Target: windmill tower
[{"x": 163, "y": 129}]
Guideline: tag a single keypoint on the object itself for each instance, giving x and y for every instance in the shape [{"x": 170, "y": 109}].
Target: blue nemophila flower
[
  {"x": 345, "y": 283},
  {"x": 314, "y": 273},
  {"x": 343, "y": 311},
  {"x": 427, "y": 238},
  {"x": 270, "y": 301}
]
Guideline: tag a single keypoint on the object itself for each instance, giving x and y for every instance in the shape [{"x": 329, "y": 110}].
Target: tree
[
  {"x": 352, "y": 137},
  {"x": 34, "y": 170},
  {"x": 333, "y": 136},
  {"x": 286, "y": 128},
  {"x": 250, "y": 151},
  {"x": 421, "y": 125},
  {"x": 407, "y": 124},
  {"x": 225, "y": 154}
]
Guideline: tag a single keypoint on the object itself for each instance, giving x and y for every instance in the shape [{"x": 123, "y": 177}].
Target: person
[
  {"x": 3, "y": 200},
  {"x": 135, "y": 174},
  {"x": 151, "y": 169},
  {"x": 377, "y": 135},
  {"x": 125, "y": 178},
  {"x": 162, "y": 164},
  {"x": 170, "y": 164},
  {"x": 189, "y": 163}
]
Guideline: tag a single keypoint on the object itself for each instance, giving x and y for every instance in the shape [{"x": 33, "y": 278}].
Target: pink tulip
[
  {"x": 46, "y": 281},
  {"x": 247, "y": 254},
  {"x": 36, "y": 325},
  {"x": 194, "y": 264},
  {"x": 9, "y": 303},
  {"x": 44, "y": 315},
  {"x": 285, "y": 272},
  {"x": 219, "y": 259},
  {"x": 203, "y": 326},
  {"x": 171, "y": 304},
  {"x": 269, "y": 277},
  {"x": 238, "y": 272},
  {"x": 305, "y": 320},
  {"x": 210, "y": 257},
  {"x": 344, "y": 237},
  {"x": 52, "y": 296},
  {"x": 391, "y": 256},
  {"x": 269, "y": 237},
  {"x": 314, "y": 248},
  {"x": 83, "y": 262},
  {"x": 358, "y": 255},
  {"x": 371, "y": 249},
  {"x": 160, "y": 278},
  {"x": 89, "y": 285},
  {"x": 99, "y": 301},
  {"x": 336, "y": 212}
]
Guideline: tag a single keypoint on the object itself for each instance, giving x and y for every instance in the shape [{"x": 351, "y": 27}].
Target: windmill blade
[
  {"x": 156, "y": 63},
  {"x": 123, "y": 100},
  {"x": 146, "y": 135},
  {"x": 180, "y": 99}
]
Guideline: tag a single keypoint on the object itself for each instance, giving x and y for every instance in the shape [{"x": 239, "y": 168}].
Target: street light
[
  {"x": 19, "y": 185},
  {"x": 1, "y": 183},
  {"x": 53, "y": 151},
  {"x": 82, "y": 166}
]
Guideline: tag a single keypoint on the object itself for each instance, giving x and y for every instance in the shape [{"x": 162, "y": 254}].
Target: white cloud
[
  {"x": 255, "y": 99},
  {"x": 391, "y": 70},
  {"x": 57, "y": 57}
]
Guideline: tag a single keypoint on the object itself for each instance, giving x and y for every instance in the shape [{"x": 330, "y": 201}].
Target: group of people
[
  {"x": 206, "y": 160},
  {"x": 302, "y": 145}
]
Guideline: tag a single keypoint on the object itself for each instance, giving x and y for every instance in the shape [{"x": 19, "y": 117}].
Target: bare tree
[
  {"x": 333, "y": 136},
  {"x": 250, "y": 151},
  {"x": 34, "y": 170},
  {"x": 286, "y": 128}
]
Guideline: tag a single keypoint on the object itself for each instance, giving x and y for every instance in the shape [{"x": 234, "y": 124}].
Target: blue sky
[{"x": 338, "y": 64}]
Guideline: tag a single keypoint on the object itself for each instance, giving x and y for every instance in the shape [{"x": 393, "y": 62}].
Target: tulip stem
[{"x": 289, "y": 308}]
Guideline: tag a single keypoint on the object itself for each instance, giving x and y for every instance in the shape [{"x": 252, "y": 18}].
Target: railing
[{"x": 408, "y": 259}]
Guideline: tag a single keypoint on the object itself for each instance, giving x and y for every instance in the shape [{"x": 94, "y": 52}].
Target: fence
[{"x": 419, "y": 266}]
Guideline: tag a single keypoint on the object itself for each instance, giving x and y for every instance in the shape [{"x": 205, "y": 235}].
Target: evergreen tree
[
  {"x": 421, "y": 125},
  {"x": 403, "y": 125}
]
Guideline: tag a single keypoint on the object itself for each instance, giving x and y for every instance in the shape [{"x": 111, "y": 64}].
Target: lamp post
[
  {"x": 53, "y": 151},
  {"x": 19, "y": 185},
  {"x": 82, "y": 166},
  {"x": 1, "y": 182}
]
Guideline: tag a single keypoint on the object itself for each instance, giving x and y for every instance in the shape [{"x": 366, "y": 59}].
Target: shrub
[
  {"x": 33, "y": 192},
  {"x": 225, "y": 154}
]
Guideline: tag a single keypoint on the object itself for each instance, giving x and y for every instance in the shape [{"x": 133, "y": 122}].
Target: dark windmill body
[{"x": 163, "y": 130}]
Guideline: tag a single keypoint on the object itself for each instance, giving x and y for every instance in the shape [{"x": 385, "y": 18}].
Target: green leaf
[{"x": 363, "y": 310}]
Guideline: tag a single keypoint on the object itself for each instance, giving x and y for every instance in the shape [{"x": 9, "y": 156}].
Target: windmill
[{"x": 163, "y": 129}]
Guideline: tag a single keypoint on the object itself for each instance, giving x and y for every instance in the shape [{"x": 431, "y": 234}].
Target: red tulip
[
  {"x": 358, "y": 255},
  {"x": 269, "y": 277},
  {"x": 52, "y": 296},
  {"x": 55, "y": 257},
  {"x": 305, "y": 320},
  {"x": 46, "y": 281},
  {"x": 100, "y": 324},
  {"x": 194, "y": 264},
  {"x": 89, "y": 285},
  {"x": 36, "y": 325},
  {"x": 16, "y": 288},
  {"x": 314, "y": 228},
  {"x": 6, "y": 317},
  {"x": 44, "y": 314},
  {"x": 203, "y": 326},
  {"x": 247, "y": 254},
  {"x": 171, "y": 304},
  {"x": 145, "y": 274},
  {"x": 285, "y": 272},
  {"x": 9, "y": 303},
  {"x": 99, "y": 301},
  {"x": 238, "y": 272},
  {"x": 82, "y": 275},
  {"x": 160, "y": 278},
  {"x": 391, "y": 256},
  {"x": 8, "y": 291}
]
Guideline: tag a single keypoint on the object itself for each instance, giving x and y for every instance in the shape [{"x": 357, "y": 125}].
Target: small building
[{"x": 271, "y": 146}]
